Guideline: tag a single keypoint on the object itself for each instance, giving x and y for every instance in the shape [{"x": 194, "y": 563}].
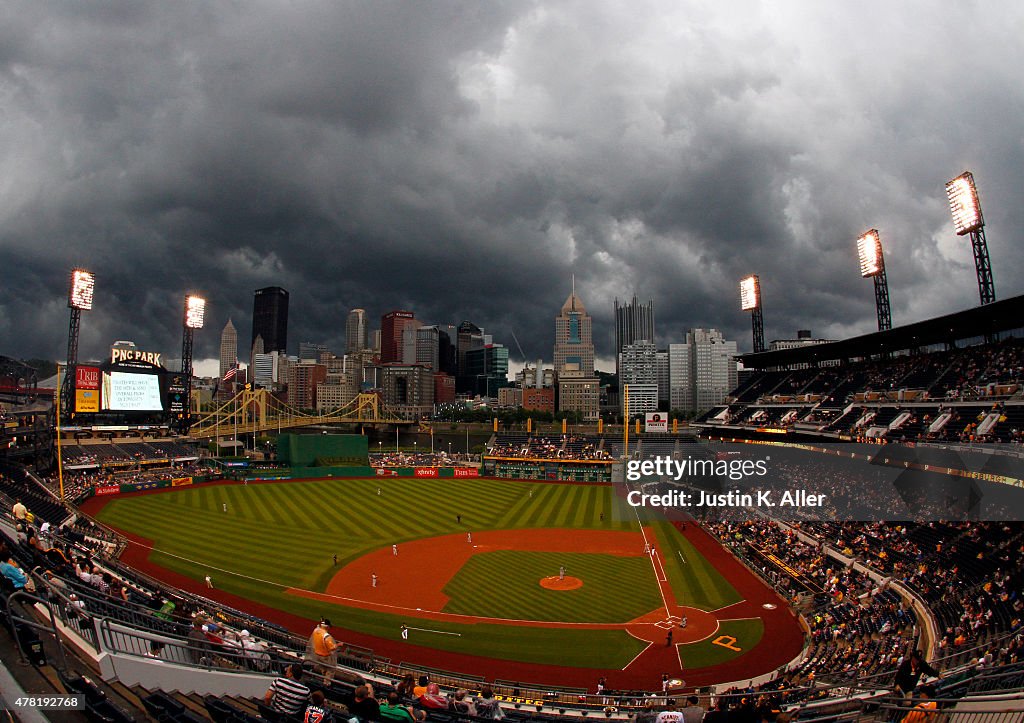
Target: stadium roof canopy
[{"x": 973, "y": 323}]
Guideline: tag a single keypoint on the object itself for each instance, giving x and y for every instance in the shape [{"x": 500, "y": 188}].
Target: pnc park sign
[{"x": 133, "y": 355}]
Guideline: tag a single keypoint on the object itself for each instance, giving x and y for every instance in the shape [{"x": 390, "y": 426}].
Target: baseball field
[{"x": 531, "y": 581}]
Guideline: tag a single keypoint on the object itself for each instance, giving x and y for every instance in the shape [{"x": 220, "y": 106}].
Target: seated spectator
[
  {"x": 317, "y": 711},
  {"x": 394, "y": 711},
  {"x": 405, "y": 688},
  {"x": 462, "y": 704},
  {"x": 420, "y": 688},
  {"x": 487, "y": 706},
  {"x": 432, "y": 699},
  {"x": 288, "y": 695},
  {"x": 364, "y": 704},
  {"x": 14, "y": 574}
]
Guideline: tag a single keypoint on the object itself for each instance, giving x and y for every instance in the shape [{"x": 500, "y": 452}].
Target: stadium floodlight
[
  {"x": 195, "y": 311},
  {"x": 964, "y": 204},
  {"x": 80, "y": 290},
  {"x": 81, "y": 287},
  {"x": 872, "y": 264},
  {"x": 750, "y": 300},
  {"x": 869, "y": 249},
  {"x": 967, "y": 219},
  {"x": 750, "y": 293},
  {"x": 195, "y": 315}
]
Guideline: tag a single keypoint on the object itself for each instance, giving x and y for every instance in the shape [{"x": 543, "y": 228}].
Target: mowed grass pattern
[
  {"x": 694, "y": 580},
  {"x": 279, "y": 535},
  {"x": 506, "y": 584}
]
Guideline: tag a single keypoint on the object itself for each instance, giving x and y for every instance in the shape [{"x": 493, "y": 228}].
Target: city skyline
[{"x": 444, "y": 158}]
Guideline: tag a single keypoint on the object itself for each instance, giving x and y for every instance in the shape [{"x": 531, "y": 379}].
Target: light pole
[
  {"x": 872, "y": 263},
  {"x": 80, "y": 293},
  {"x": 967, "y": 219},
  {"x": 750, "y": 300},
  {"x": 195, "y": 313}
]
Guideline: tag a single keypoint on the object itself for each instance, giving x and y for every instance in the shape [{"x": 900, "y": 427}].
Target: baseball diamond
[{"x": 480, "y": 561}]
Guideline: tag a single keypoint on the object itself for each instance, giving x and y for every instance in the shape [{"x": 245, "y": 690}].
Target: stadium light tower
[
  {"x": 967, "y": 219},
  {"x": 750, "y": 300},
  {"x": 872, "y": 263},
  {"x": 195, "y": 315},
  {"x": 81, "y": 286}
]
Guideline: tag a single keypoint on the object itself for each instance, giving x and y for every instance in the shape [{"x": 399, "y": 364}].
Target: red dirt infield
[
  {"x": 445, "y": 555},
  {"x": 561, "y": 583}
]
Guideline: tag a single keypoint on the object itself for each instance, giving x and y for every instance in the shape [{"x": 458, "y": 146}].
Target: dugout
[{"x": 322, "y": 450}]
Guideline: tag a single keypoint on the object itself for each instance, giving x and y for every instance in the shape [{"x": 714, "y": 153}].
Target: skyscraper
[
  {"x": 633, "y": 322},
  {"x": 392, "y": 324},
  {"x": 638, "y": 368},
  {"x": 228, "y": 359},
  {"x": 702, "y": 371},
  {"x": 270, "y": 318},
  {"x": 574, "y": 344},
  {"x": 356, "y": 332},
  {"x": 468, "y": 336}
]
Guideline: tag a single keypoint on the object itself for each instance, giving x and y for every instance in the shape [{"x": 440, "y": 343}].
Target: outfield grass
[
  {"x": 694, "y": 580},
  {"x": 276, "y": 536}
]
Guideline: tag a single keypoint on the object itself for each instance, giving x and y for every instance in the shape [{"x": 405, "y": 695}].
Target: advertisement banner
[
  {"x": 181, "y": 482},
  {"x": 465, "y": 472},
  {"x": 426, "y": 471},
  {"x": 87, "y": 377},
  {"x": 656, "y": 422},
  {"x": 108, "y": 489},
  {"x": 382, "y": 472},
  {"x": 87, "y": 401}
]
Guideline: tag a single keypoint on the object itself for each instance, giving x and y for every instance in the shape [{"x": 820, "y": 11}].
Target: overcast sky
[{"x": 463, "y": 160}]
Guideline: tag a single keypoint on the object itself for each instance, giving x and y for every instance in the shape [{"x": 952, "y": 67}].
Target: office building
[
  {"x": 408, "y": 390},
  {"x": 310, "y": 351},
  {"x": 356, "y": 331},
  {"x": 228, "y": 348},
  {"x": 487, "y": 370},
  {"x": 228, "y": 360},
  {"x": 303, "y": 379},
  {"x": 579, "y": 392},
  {"x": 702, "y": 371},
  {"x": 637, "y": 364},
  {"x": 270, "y": 319},
  {"x": 633, "y": 322},
  {"x": 574, "y": 343},
  {"x": 392, "y": 327}
]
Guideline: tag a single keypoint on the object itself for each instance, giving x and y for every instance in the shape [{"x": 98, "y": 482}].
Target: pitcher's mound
[{"x": 566, "y": 583}]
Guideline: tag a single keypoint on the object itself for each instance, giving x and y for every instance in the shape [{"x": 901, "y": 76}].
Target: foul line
[
  {"x": 726, "y": 607},
  {"x": 438, "y": 632},
  {"x": 648, "y": 545},
  {"x": 649, "y": 644}
]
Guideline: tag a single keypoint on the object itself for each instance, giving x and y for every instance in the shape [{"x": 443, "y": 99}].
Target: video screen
[{"x": 127, "y": 392}]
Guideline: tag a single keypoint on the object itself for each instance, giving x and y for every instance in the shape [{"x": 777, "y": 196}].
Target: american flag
[{"x": 230, "y": 374}]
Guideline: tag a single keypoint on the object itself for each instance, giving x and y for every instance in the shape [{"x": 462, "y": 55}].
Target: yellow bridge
[{"x": 253, "y": 411}]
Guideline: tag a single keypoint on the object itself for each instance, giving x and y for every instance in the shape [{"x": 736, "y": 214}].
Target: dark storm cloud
[{"x": 463, "y": 160}]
